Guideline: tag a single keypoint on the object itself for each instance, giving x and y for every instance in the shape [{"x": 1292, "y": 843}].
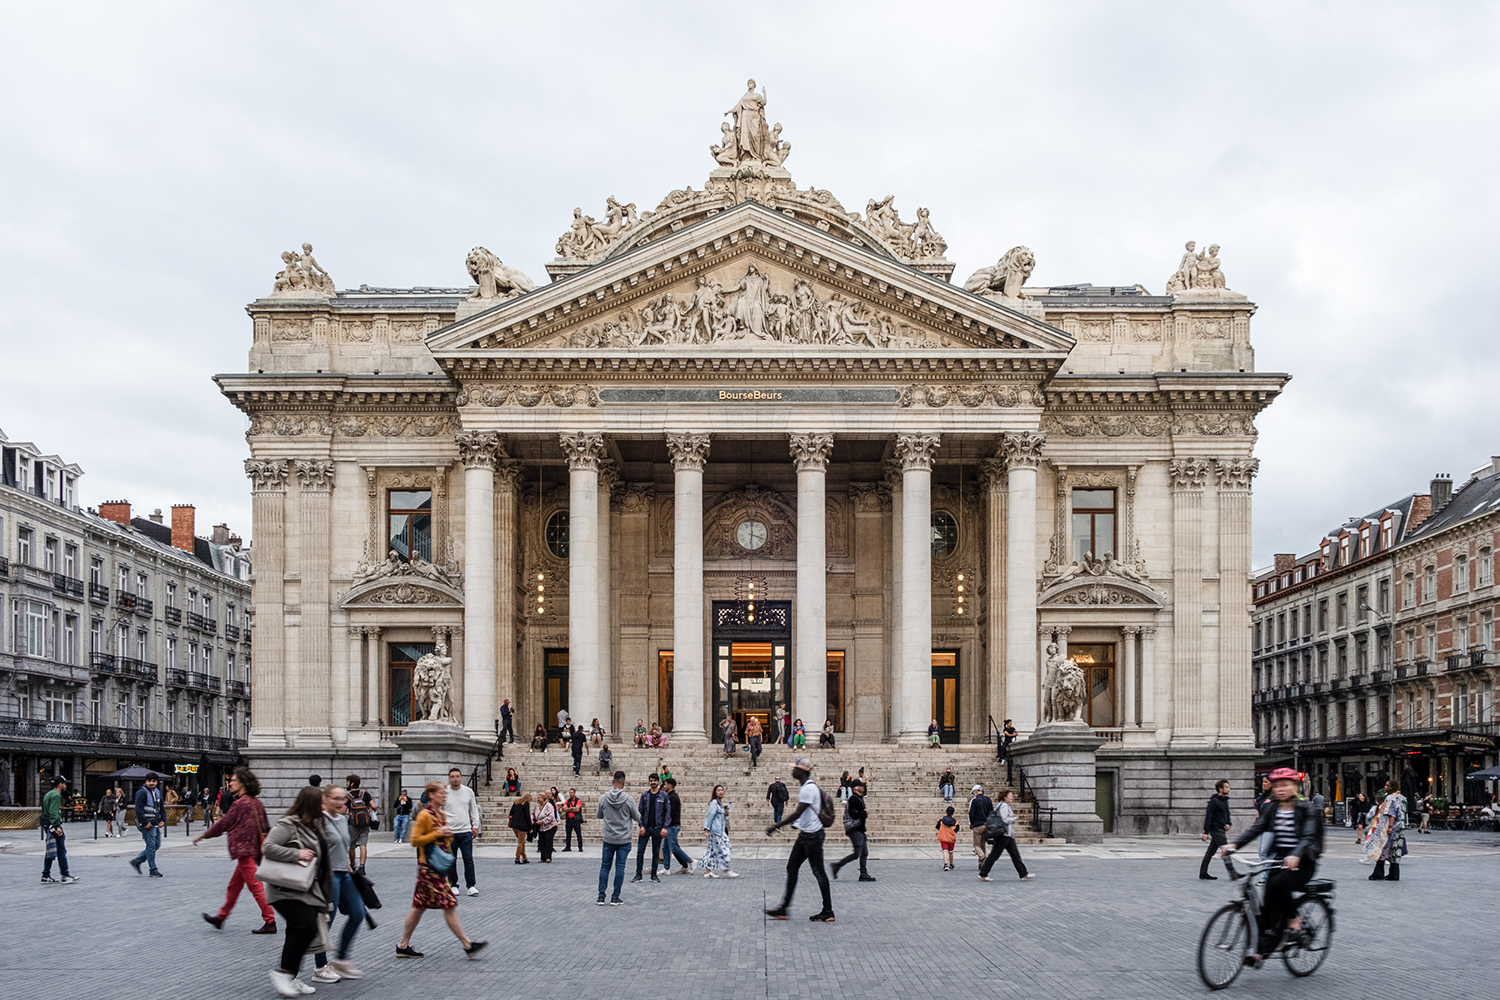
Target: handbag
[
  {"x": 366, "y": 891},
  {"x": 439, "y": 860},
  {"x": 295, "y": 875}
]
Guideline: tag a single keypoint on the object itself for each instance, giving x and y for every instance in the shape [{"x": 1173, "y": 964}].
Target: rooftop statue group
[
  {"x": 302, "y": 274},
  {"x": 749, "y": 140},
  {"x": 1197, "y": 272}
]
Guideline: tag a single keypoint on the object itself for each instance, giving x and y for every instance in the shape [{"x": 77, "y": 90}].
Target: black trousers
[
  {"x": 301, "y": 928},
  {"x": 506, "y": 733},
  {"x": 1008, "y": 845},
  {"x": 573, "y": 826},
  {"x": 754, "y": 750},
  {"x": 653, "y": 835},
  {"x": 1216, "y": 840},
  {"x": 544, "y": 840},
  {"x": 1278, "y": 908},
  {"x": 808, "y": 847},
  {"x": 861, "y": 851}
]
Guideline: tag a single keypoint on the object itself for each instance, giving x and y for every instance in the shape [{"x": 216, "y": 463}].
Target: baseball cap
[
  {"x": 978, "y": 788},
  {"x": 803, "y": 764}
]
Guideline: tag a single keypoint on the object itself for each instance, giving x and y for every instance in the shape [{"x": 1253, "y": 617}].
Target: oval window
[
  {"x": 557, "y": 534},
  {"x": 944, "y": 534}
]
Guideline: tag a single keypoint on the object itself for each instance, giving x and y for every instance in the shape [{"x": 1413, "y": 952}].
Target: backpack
[
  {"x": 359, "y": 813},
  {"x": 825, "y": 809},
  {"x": 994, "y": 825}
]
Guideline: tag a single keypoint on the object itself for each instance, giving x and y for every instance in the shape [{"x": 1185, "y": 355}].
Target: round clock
[{"x": 751, "y": 535}]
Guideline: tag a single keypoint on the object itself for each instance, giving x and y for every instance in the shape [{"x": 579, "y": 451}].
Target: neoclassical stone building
[{"x": 753, "y": 448}]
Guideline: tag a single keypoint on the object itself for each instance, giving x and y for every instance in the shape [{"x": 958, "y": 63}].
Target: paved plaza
[{"x": 1121, "y": 920}]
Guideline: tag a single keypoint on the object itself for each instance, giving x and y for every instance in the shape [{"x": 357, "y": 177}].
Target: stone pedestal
[
  {"x": 429, "y": 749},
  {"x": 1058, "y": 759}
]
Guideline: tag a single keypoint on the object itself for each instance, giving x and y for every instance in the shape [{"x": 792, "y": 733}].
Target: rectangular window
[
  {"x": 1461, "y": 706},
  {"x": 1432, "y": 643},
  {"x": 1257, "y": 635},
  {"x": 1341, "y": 612},
  {"x": 69, "y": 640},
  {"x": 1307, "y": 628},
  {"x": 96, "y": 708},
  {"x": 59, "y": 706},
  {"x": 171, "y": 657},
  {"x": 1323, "y": 615},
  {"x": 142, "y": 644},
  {"x": 410, "y": 524},
  {"x": 1098, "y": 664},
  {"x": 1461, "y": 634},
  {"x": 1383, "y": 601},
  {"x": 1362, "y": 603},
  {"x": 1461, "y": 574},
  {"x": 1409, "y": 591},
  {"x": 171, "y": 595},
  {"x": 70, "y": 560},
  {"x": 122, "y": 579},
  {"x": 49, "y": 555},
  {"x": 1280, "y": 630},
  {"x": 143, "y": 712},
  {"x": 33, "y": 638},
  {"x": 208, "y": 660},
  {"x": 1323, "y": 664},
  {"x": 1487, "y": 629},
  {"x": 1429, "y": 584},
  {"x": 96, "y": 635},
  {"x": 1486, "y": 567},
  {"x": 23, "y": 546},
  {"x": 1343, "y": 661},
  {"x": 1093, "y": 524},
  {"x": 96, "y": 571},
  {"x": 233, "y": 724},
  {"x": 142, "y": 585},
  {"x": 172, "y": 713},
  {"x": 1410, "y": 652},
  {"x": 122, "y": 711},
  {"x": 208, "y": 606},
  {"x": 1362, "y": 656},
  {"x": 836, "y": 688}
]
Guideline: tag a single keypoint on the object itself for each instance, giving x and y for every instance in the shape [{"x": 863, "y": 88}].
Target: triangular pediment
[{"x": 747, "y": 279}]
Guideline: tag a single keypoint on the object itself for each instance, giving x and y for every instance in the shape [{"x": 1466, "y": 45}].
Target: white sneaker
[
  {"x": 709, "y": 874},
  {"x": 453, "y": 889},
  {"x": 346, "y": 969},
  {"x": 473, "y": 890},
  {"x": 302, "y": 988},
  {"x": 325, "y": 974},
  {"x": 283, "y": 982},
  {"x": 731, "y": 874},
  {"x": 1028, "y": 878}
]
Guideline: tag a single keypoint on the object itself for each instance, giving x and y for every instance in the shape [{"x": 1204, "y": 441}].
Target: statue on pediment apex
[
  {"x": 497, "y": 281},
  {"x": 1005, "y": 279},
  {"x": 751, "y": 135}
]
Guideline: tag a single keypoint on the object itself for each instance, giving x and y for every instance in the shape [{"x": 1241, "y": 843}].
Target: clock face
[{"x": 751, "y": 535}]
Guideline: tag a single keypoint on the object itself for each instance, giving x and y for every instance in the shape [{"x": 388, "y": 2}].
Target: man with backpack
[
  {"x": 776, "y": 796},
  {"x": 980, "y": 808},
  {"x": 855, "y": 815},
  {"x": 814, "y": 813},
  {"x": 361, "y": 819}
]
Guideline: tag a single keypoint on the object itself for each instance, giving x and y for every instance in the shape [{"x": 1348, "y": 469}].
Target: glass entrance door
[
  {"x": 554, "y": 687},
  {"x": 754, "y": 668},
  {"x": 750, "y": 663},
  {"x": 945, "y": 693}
]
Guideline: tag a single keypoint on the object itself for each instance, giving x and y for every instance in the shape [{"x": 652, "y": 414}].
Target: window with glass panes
[
  {"x": 403, "y": 660},
  {"x": 1093, "y": 523},
  {"x": 410, "y": 523}
]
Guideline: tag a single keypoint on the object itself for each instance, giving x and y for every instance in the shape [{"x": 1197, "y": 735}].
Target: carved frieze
[
  {"x": 1106, "y": 424},
  {"x": 1216, "y": 423},
  {"x": 972, "y": 395},
  {"x": 408, "y": 594},
  {"x": 528, "y": 395}
]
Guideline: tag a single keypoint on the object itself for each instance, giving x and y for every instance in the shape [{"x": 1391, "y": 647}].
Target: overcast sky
[{"x": 157, "y": 159}]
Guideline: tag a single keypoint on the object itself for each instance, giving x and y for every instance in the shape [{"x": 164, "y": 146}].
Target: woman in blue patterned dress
[{"x": 716, "y": 823}]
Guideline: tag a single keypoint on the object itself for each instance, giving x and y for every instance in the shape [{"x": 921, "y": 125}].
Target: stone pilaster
[
  {"x": 1023, "y": 452},
  {"x": 1148, "y": 677},
  {"x": 810, "y": 454},
  {"x": 1234, "y": 478},
  {"x": 376, "y": 712},
  {"x": 1128, "y": 715},
  {"x": 268, "y": 518},
  {"x": 635, "y": 669},
  {"x": 914, "y": 451},
  {"x": 896, "y": 614},
  {"x": 507, "y": 681},
  {"x": 689, "y": 453},
  {"x": 311, "y": 692},
  {"x": 585, "y": 452},
  {"x": 1187, "y": 476},
  {"x": 351, "y": 706},
  {"x": 609, "y": 478},
  {"x": 478, "y": 450},
  {"x": 996, "y": 483}
]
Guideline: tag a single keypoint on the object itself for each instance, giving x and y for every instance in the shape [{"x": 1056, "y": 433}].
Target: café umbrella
[
  {"x": 1488, "y": 774},
  {"x": 135, "y": 773}
]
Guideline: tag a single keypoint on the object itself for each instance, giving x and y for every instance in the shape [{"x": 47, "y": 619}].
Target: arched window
[{"x": 557, "y": 534}]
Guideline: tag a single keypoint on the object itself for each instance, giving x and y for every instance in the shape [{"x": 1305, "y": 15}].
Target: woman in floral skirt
[
  {"x": 431, "y": 831},
  {"x": 716, "y": 823}
]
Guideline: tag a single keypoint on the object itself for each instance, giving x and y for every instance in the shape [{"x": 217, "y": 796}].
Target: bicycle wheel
[
  {"x": 1303, "y": 958},
  {"x": 1223, "y": 947}
]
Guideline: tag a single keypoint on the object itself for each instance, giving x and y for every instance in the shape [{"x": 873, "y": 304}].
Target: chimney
[
  {"x": 1421, "y": 510},
  {"x": 1285, "y": 561},
  {"x": 1442, "y": 491},
  {"x": 156, "y": 517},
  {"x": 117, "y": 511},
  {"x": 1495, "y": 465},
  {"x": 182, "y": 526},
  {"x": 221, "y": 534}
]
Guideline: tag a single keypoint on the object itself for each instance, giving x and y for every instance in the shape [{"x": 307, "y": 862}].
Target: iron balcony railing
[
  {"x": 137, "y": 669},
  {"x": 173, "y": 615},
  {"x": 203, "y": 682},
  {"x": 98, "y": 593},
  {"x": 237, "y": 689},
  {"x": 63, "y": 584},
  {"x": 144, "y": 606},
  {"x": 125, "y": 601},
  {"x": 72, "y": 732},
  {"x": 202, "y": 624},
  {"x": 104, "y": 663},
  {"x": 177, "y": 678},
  {"x": 232, "y": 633}
]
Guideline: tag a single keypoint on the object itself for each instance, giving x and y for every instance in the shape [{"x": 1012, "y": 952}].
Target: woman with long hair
[
  {"x": 596, "y": 733},
  {"x": 297, "y": 838},
  {"x": 246, "y": 826},
  {"x": 520, "y": 825},
  {"x": 544, "y": 819},
  {"x": 512, "y": 782},
  {"x": 716, "y": 825},
  {"x": 430, "y": 832}
]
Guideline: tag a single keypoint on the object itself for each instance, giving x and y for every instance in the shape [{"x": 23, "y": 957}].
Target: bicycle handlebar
[{"x": 1251, "y": 867}]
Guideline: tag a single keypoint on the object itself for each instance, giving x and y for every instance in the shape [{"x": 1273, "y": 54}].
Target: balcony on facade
[
  {"x": 237, "y": 689},
  {"x": 78, "y": 733},
  {"x": 172, "y": 615},
  {"x": 192, "y": 679},
  {"x": 202, "y": 624},
  {"x": 124, "y": 667},
  {"x": 98, "y": 593},
  {"x": 232, "y": 633},
  {"x": 67, "y": 586}
]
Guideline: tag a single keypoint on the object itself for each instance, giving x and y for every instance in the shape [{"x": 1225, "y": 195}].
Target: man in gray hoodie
[{"x": 620, "y": 816}]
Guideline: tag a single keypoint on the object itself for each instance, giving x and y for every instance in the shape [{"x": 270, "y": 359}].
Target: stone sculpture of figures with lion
[
  {"x": 432, "y": 685},
  {"x": 1005, "y": 278},
  {"x": 1063, "y": 688},
  {"x": 497, "y": 281},
  {"x": 1197, "y": 272},
  {"x": 302, "y": 274}
]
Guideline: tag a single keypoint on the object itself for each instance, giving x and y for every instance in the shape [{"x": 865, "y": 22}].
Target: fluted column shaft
[
  {"x": 996, "y": 481},
  {"x": 584, "y": 451},
  {"x": 1188, "y": 476},
  {"x": 268, "y": 519},
  {"x": 608, "y": 479},
  {"x": 1022, "y": 453},
  {"x": 896, "y": 650},
  {"x": 810, "y": 453},
  {"x": 504, "y": 682},
  {"x": 311, "y": 694},
  {"x": 1233, "y": 681},
  {"x": 915, "y": 454},
  {"x": 689, "y": 453},
  {"x": 478, "y": 451},
  {"x": 1128, "y": 714}
]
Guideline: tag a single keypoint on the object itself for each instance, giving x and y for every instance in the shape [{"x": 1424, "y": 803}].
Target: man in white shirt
[
  {"x": 809, "y": 844},
  {"x": 462, "y": 810}
]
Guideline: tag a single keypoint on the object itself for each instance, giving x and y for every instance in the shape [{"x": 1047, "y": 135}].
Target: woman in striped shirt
[{"x": 1297, "y": 840}]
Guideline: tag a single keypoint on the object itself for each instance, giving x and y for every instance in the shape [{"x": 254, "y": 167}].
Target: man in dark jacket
[
  {"x": 674, "y": 830},
  {"x": 150, "y": 819},
  {"x": 656, "y": 813},
  {"x": 776, "y": 798},
  {"x": 1216, "y": 826},
  {"x": 980, "y": 808},
  {"x": 578, "y": 739},
  {"x": 854, "y": 829}
]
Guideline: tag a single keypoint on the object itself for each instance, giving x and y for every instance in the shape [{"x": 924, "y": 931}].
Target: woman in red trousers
[{"x": 245, "y": 826}]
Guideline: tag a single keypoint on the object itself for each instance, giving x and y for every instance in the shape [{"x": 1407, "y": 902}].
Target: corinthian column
[
  {"x": 1188, "y": 476},
  {"x": 477, "y": 450},
  {"x": 584, "y": 451},
  {"x": 268, "y": 520},
  {"x": 915, "y": 454},
  {"x": 996, "y": 481},
  {"x": 608, "y": 480},
  {"x": 894, "y": 626},
  {"x": 1022, "y": 451},
  {"x": 313, "y": 688},
  {"x": 689, "y": 452},
  {"x": 1233, "y": 682},
  {"x": 810, "y": 453},
  {"x": 507, "y": 490}
]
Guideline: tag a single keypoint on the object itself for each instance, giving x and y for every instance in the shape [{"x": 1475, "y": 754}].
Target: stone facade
[
  {"x": 751, "y": 448},
  {"x": 123, "y": 639}
]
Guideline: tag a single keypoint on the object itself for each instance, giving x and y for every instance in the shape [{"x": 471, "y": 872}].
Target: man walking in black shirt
[
  {"x": 1216, "y": 825},
  {"x": 656, "y": 812},
  {"x": 776, "y": 798},
  {"x": 855, "y": 815},
  {"x": 980, "y": 808}
]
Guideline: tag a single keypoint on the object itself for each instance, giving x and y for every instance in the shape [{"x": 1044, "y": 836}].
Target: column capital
[
  {"x": 267, "y": 475},
  {"x": 892, "y": 478},
  {"x": 994, "y": 473},
  {"x": 477, "y": 449},
  {"x": 689, "y": 451},
  {"x": 354, "y": 631},
  {"x": 1051, "y": 630},
  {"x": 507, "y": 476},
  {"x": 1188, "y": 473},
  {"x": 371, "y": 630},
  {"x": 1148, "y": 631},
  {"x": 585, "y": 451},
  {"x": 609, "y": 478},
  {"x": 1023, "y": 450},
  {"x": 1130, "y": 629},
  {"x": 1235, "y": 473},
  {"x": 915, "y": 451},
  {"x": 315, "y": 476},
  {"x": 810, "y": 451},
  {"x": 441, "y": 631}
]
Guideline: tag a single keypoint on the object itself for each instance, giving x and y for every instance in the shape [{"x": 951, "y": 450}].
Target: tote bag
[{"x": 294, "y": 875}]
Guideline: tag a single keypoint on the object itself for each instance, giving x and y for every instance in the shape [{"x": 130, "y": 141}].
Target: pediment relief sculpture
[
  {"x": 498, "y": 282},
  {"x": 402, "y": 593},
  {"x": 721, "y": 534},
  {"x": 756, "y": 305},
  {"x": 394, "y": 567}
]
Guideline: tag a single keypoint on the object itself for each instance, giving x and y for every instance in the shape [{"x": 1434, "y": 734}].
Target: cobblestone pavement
[{"x": 1121, "y": 920}]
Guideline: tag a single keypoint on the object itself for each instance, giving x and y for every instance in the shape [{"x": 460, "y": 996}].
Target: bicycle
[{"x": 1234, "y": 930}]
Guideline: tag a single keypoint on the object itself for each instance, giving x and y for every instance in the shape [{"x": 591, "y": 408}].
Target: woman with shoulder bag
[
  {"x": 520, "y": 825},
  {"x": 544, "y": 819},
  {"x": 244, "y": 824},
  {"x": 433, "y": 839},
  {"x": 295, "y": 846}
]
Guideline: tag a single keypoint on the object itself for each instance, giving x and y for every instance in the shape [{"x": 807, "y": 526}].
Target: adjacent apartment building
[
  {"x": 1376, "y": 651},
  {"x": 124, "y": 639}
]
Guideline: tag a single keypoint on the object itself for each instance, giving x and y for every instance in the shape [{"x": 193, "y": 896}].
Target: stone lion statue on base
[
  {"x": 432, "y": 685},
  {"x": 496, "y": 280},
  {"x": 1005, "y": 278},
  {"x": 1063, "y": 688}
]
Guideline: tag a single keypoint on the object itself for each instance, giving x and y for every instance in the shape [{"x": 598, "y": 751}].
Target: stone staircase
[{"x": 903, "y": 797}]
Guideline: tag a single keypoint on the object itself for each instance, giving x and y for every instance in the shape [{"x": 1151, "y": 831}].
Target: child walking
[{"x": 947, "y": 834}]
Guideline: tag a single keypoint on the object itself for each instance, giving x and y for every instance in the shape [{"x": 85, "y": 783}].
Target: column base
[
  {"x": 911, "y": 737},
  {"x": 684, "y": 735},
  {"x": 266, "y": 739},
  {"x": 1191, "y": 738}
]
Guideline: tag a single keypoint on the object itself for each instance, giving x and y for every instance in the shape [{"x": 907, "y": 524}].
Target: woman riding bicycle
[{"x": 1297, "y": 831}]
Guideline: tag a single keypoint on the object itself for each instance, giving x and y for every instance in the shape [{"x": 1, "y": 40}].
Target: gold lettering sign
[{"x": 750, "y": 396}]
